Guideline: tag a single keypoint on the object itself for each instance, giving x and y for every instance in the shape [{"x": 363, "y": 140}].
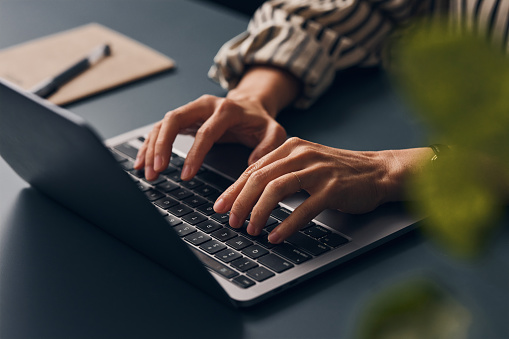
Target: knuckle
[
  {"x": 250, "y": 170},
  {"x": 293, "y": 142},
  {"x": 258, "y": 177},
  {"x": 205, "y": 131},
  {"x": 206, "y": 98},
  {"x": 226, "y": 106},
  {"x": 276, "y": 186}
]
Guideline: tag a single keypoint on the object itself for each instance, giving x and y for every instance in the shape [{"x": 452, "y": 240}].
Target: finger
[
  {"x": 225, "y": 201},
  {"x": 182, "y": 118},
  {"x": 139, "y": 163},
  {"x": 303, "y": 214},
  {"x": 206, "y": 136},
  {"x": 274, "y": 137},
  {"x": 274, "y": 192},
  {"x": 274, "y": 182},
  {"x": 150, "y": 174}
]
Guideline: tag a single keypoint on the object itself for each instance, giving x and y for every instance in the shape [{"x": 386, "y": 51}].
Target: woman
[{"x": 290, "y": 54}]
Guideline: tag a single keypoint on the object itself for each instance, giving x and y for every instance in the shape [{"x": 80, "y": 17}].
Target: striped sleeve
[
  {"x": 488, "y": 18},
  {"x": 313, "y": 39}
]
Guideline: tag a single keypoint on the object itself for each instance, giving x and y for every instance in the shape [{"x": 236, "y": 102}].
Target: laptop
[{"x": 170, "y": 221}]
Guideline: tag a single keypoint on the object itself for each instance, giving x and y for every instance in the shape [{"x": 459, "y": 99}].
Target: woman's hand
[
  {"x": 211, "y": 119},
  {"x": 350, "y": 181},
  {"x": 246, "y": 116}
]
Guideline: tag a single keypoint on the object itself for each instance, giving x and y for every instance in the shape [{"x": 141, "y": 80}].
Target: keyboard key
[
  {"x": 281, "y": 213},
  {"x": 167, "y": 186},
  {"x": 308, "y": 225},
  {"x": 243, "y": 282},
  {"x": 176, "y": 160},
  {"x": 260, "y": 273},
  {"x": 181, "y": 194},
  {"x": 334, "y": 240},
  {"x": 307, "y": 244},
  {"x": 153, "y": 194},
  {"x": 243, "y": 264},
  {"x": 317, "y": 231},
  {"x": 166, "y": 202},
  {"x": 127, "y": 165},
  {"x": 270, "y": 221},
  {"x": 271, "y": 227},
  {"x": 206, "y": 191},
  {"x": 291, "y": 253},
  {"x": 142, "y": 186},
  {"x": 173, "y": 221},
  {"x": 254, "y": 251},
  {"x": 221, "y": 218},
  {"x": 138, "y": 173},
  {"x": 197, "y": 238},
  {"x": 195, "y": 201},
  {"x": 224, "y": 234},
  {"x": 215, "y": 265},
  {"x": 209, "y": 226},
  {"x": 207, "y": 209},
  {"x": 263, "y": 240},
  {"x": 239, "y": 243},
  {"x": 180, "y": 210},
  {"x": 170, "y": 169},
  {"x": 228, "y": 255},
  {"x": 194, "y": 218},
  {"x": 156, "y": 181},
  {"x": 243, "y": 231},
  {"x": 174, "y": 176},
  {"x": 184, "y": 229},
  {"x": 212, "y": 246},
  {"x": 275, "y": 263},
  {"x": 192, "y": 184},
  {"x": 215, "y": 179},
  {"x": 162, "y": 212},
  {"x": 127, "y": 149}
]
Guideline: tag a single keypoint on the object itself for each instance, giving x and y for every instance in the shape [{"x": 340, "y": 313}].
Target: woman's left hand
[{"x": 350, "y": 181}]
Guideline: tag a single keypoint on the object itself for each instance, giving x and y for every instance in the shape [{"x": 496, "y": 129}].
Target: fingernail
[
  {"x": 274, "y": 238},
  {"x": 234, "y": 220},
  {"x": 220, "y": 205},
  {"x": 186, "y": 171},
  {"x": 252, "y": 230},
  {"x": 149, "y": 173},
  {"x": 137, "y": 162},
  {"x": 158, "y": 162}
]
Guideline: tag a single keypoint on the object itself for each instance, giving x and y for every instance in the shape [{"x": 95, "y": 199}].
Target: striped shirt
[{"x": 316, "y": 39}]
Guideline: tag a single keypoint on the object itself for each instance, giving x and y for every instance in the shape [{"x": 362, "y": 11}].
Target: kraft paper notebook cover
[{"x": 31, "y": 62}]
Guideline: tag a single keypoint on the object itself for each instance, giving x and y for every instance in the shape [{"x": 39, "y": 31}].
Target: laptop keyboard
[{"x": 232, "y": 253}]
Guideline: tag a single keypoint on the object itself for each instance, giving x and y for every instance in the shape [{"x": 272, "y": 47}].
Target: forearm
[{"x": 274, "y": 88}]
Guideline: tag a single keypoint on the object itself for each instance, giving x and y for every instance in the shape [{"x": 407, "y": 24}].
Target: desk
[{"x": 61, "y": 277}]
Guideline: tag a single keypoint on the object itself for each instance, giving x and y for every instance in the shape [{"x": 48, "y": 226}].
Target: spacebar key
[{"x": 215, "y": 265}]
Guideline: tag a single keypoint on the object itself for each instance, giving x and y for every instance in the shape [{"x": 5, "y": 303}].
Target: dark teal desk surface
[{"x": 61, "y": 277}]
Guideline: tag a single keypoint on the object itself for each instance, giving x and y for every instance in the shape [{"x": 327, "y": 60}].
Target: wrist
[
  {"x": 400, "y": 166},
  {"x": 273, "y": 88}
]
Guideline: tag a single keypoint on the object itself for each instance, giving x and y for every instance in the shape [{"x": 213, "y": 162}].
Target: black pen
[{"x": 49, "y": 86}]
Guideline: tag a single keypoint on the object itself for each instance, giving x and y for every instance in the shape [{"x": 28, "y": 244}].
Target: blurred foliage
[
  {"x": 459, "y": 85},
  {"x": 414, "y": 309}
]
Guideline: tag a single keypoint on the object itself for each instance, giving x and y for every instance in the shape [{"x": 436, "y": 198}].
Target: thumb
[{"x": 275, "y": 136}]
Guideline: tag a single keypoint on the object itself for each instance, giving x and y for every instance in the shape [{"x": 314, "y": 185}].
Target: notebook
[
  {"x": 171, "y": 221},
  {"x": 29, "y": 63}
]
